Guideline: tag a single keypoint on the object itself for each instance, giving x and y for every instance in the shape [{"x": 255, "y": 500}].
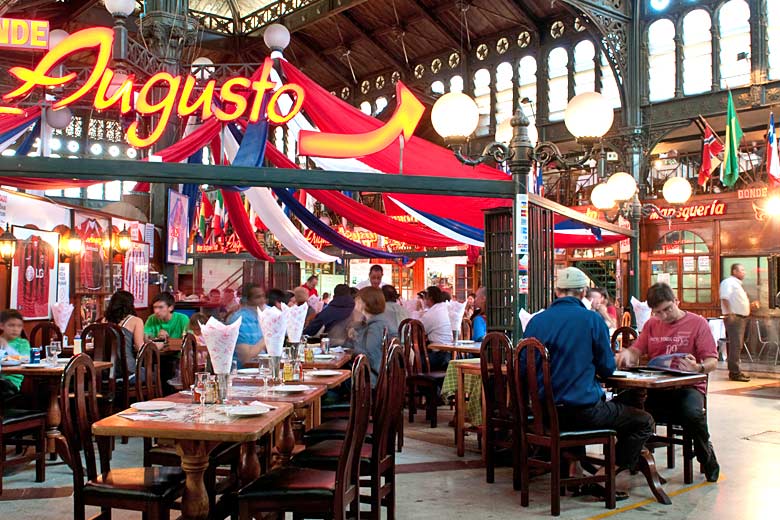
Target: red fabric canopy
[
  {"x": 241, "y": 225},
  {"x": 420, "y": 157},
  {"x": 363, "y": 215}
]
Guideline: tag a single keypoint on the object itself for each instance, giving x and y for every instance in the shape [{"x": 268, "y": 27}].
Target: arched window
[
  {"x": 437, "y": 87},
  {"x": 482, "y": 98},
  {"x": 381, "y": 104},
  {"x": 773, "y": 34},
  {"x": 685, "y": 265},
  {"x": 584, "y": 67},
  {"x": 660, "y": 46},
  {"x": 734, "y": 23},
  {"x": 558, "y": 82},
  {"x": 503, "y": 91},
  {"x": 697, "y": 52},
  {"x": 365, "y": 107},
  {"x": 526, "y": 80},
  {"x": 456, "y": 84},
  {"x": 609, "y": 86}
]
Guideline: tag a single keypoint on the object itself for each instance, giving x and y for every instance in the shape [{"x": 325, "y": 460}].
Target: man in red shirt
[
  {"x": 674, "y": 331},
  {"x": 311, "y": 285}
]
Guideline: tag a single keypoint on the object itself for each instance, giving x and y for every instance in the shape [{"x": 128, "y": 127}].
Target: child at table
[{"x": 11, "y": 341}]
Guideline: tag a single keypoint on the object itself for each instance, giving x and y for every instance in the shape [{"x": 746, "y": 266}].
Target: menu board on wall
[{"x": 34, "y": 272}]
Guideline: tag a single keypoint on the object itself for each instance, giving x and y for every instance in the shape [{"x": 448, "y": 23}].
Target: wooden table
[
  {"x": 340, "y": 359},
  {"x": 329, "y": 381},
  {"x": 665, "y": 381},
  {"x": 463, "y": 367},
  {"x": 195, "y": 441},
  {"x": 306, "y": 404},
  {"x": 472, "y": 348},
  {"x": 48, "y": 382}
]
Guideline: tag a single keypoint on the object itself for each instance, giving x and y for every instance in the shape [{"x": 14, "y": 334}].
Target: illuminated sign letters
[
  {"x": 24, "y": 34},
  {"x": 689, "y": 211}
]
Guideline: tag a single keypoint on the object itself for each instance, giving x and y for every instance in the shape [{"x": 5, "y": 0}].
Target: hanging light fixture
[
  {"x": 7, "y": 245},
  {"x": 276, "y": 38},
  {"x": 74, "y": 245},
  {"x": 455, "y": 117},
  {"x": 588, "y": 117},
  {"x": 123, "y": 240}
]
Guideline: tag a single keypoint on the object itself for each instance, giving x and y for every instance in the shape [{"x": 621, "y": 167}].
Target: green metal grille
[{"x": 497, "y": 274}]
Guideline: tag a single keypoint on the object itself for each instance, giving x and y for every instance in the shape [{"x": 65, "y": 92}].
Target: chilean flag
[{"x": 772, "y": 158}]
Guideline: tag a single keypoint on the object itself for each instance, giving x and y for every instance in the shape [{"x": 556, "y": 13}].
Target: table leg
[
  {"x": 649, "y": 470},
  {"x": 55, "y": 442},
  {"x": 249, "y": 468},
  {"x": 286, "y": 441},
  {"x": 460, "y": 413},
  {"x": 316, "y": 413},
  {"x": 194, "y": 461}
]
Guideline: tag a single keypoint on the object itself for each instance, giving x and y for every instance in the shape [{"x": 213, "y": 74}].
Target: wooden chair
[
  {"x": 501, "y": 428},
  {"x": 625, "y": 320},
  {"x": 420, "y": 380},
  {"x": 539, "y": 428},
  {"x": 378, "y": 458},
  {"x": 15, "y": 426},
  {"x": 109, "y": 345},
  {"x": 149, "y": 490},
  {"x": 188, "y": 363},
  {"x": 308, "y": 491},
  {"x": 627, "y": 336},
  {"x": 763, "y": 339},
  {"x": 44, "y": 333}
]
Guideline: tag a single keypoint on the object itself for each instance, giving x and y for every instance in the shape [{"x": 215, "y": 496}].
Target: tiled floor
[{"x": 435, "y": 484}]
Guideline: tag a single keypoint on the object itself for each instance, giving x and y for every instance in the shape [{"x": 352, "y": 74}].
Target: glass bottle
[{"x": 287, "y": 366}]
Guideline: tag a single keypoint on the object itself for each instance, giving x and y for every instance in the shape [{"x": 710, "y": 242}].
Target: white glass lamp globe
[
  {"x": 201, "y": 71},
  {"x": 455, "y": 116},
  {"x": 276, "y": 37},
  {"x": 58, "y": 119},
  {"x": 56, "y": 36},
  {"x": 622, "y": 186},
  {"x": 120, "y": 7},
  {"x": 601, "y": 197},
  {"x": 677, "y": 190},
  {"x": 588, "y": 116},
  {"x": 504, "y": 132}
]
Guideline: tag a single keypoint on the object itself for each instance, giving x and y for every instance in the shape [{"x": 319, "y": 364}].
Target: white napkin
[
  {"x": 260, "y": 403},
  {"x": 315, "y": 303},
  {"x": 61, "y": 312},
  {"x": 296, "y": 316},
  {"x": 525, "y": 317},
  {"x": 273, "y": 322},
  {"x": 456, "y": 310},
  {"x": 642, "y": 312},
  {"x": 221, "y": 343}
]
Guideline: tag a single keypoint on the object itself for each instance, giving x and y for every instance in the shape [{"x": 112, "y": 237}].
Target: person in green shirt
[
  {"x": 11, "y": 341},
  {"x": 165, "y": 323}
]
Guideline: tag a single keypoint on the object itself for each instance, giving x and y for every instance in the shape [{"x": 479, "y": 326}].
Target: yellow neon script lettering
[
  {"x": 145, "y": 107},
  {"x": 124, "y": 92}
]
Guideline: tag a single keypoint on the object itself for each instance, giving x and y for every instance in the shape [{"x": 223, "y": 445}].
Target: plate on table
[
  {"x": 63, "y": 360},
  {"x": 11, "y": 363},
  {"x": 153, "y": 406},
  {"x": 651, "y": 371},
  {"x": 322, "y": 373},
  {"x": 246, "y": 410},
  {"x": 324, "y": 357},
  {"x": 621, "y": 373},
  {"x": 35, "y": 365},
  {"x": 290, "y": 389},
  {"x": 248, "y": 371},
  {"x": 465, "y": 342}
]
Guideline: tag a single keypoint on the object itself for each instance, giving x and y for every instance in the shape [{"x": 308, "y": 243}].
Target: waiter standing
[{"x": 735, "y": 305}]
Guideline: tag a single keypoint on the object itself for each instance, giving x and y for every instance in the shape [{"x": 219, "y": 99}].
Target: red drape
[
  {"x": 241, "y": 225},
  {"x": 364, "y": 216},
  {"x": 420, "y": 157}
]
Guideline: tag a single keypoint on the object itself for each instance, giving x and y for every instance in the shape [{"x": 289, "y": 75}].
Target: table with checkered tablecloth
[{"x": 472, "y": 387}]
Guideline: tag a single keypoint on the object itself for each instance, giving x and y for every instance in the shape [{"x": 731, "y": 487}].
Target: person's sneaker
[
  {"x": 712, "y": 470},
  {"x": 740, "y": 376}
]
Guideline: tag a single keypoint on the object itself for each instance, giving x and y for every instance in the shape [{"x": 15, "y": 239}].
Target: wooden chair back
[
  {"x": 188, "y": 363},
  {"x": 413, "y": 339},
  {"x": 466, "y": 329},
  {"x": 78, "y": 402},
  {"x": 44, "y": 333},
  {"x": 390, "y": 402},
  {"x": 495, "y": 356},
  {"x": 536, "y": 404},
  {"x": 348, "y": 469},
  {"x": 109, "y": 345},
  {"x": 627, "y": 336},
  {"x": 625, "y": 320},
  {"x": 147, "y": 373}
]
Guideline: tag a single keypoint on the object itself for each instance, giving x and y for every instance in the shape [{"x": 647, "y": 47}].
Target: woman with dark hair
[
  {"x": 436, "y": 321},
  {"x": 367, "y": 337},
  {"x": 121, "y": 311}
]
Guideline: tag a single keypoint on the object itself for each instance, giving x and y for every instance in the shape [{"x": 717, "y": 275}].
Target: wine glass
[
  {"x": 57, "y": 349},
  {"x": 264, "y": 370}
]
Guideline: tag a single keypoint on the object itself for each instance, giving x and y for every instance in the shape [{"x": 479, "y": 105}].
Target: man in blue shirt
[
  {"x": 250, "y": 338},
  {"x": 578, "y": 344}
]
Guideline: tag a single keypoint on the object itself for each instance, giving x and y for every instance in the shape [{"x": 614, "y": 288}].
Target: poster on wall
[
  {"x": 34, "y": 272},
  {"x": 136, "y": 274},
  {"x": 92, "y": 271},
  {"x": 63, "y": 282},
  {"x": 178, "y": 227}
]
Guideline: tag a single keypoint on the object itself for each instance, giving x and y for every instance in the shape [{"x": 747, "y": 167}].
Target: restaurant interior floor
[{"x": 434, "y": 483}]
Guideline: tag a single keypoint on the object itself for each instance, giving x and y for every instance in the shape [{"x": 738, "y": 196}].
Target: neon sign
[
  {"x": 177, "y": 91},
  {"x": 687, "y": 212},
  {"x": 23, "y": 34}
]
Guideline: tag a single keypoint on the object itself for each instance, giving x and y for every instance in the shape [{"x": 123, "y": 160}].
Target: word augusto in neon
[
  {"x": 24, "y": 34},
  {"x": 160, "y": 95}
]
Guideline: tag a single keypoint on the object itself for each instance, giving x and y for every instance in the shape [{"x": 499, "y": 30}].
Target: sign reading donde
[
  {"x": 177, "y": 91},
  {"x": 24, "y": 34}
]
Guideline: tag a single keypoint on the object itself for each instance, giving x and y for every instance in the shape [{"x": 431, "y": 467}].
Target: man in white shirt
[
  {"x": 436, "y": 321},
  {"x": 735, "y": 305},
  {"x": 374, "y": 278}
]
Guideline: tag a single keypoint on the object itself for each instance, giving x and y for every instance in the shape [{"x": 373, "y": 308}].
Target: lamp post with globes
[
  {"x": 588, "y": 117},
  {"x": 620, "y": 192}
]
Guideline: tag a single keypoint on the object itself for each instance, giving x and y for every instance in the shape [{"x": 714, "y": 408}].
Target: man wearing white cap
[{"x": 578, "y": 342}]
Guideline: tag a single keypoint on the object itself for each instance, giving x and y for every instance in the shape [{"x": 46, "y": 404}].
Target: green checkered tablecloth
[{"x": 473, "y": 389}]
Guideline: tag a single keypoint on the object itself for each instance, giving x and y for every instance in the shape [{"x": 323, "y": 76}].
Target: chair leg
[
  {"x": 555, "y": 481},
  {"x": 412, "y": 404},
  {"x": 687, "y": 459},
  {"x": 376, "y": 494},
  {"x": 609, "y": 459},
  {"x": 40, "y": 455},
  {"x": 400, "y": 432},
  {"x": 390, "y": 498},
  {"x": 490, "y": 469},
  {"x": 431, "y": 405},
  {"x": 670, "y": 462},
  {"x": 524, "y": 473},
  {"x": 516, "y": 461},
  {"x": 2, "y": 462}
]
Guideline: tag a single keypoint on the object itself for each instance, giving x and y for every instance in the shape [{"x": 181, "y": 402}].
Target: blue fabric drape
[
  {"x": 458, "y": 227},
  {"x": 26, "y": 145}
]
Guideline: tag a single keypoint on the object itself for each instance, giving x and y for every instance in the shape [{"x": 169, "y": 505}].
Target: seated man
[
  {"x": 674, "y": 331},
  {"x": 335, "y": 319},
  {"x": 249, "y": 342},
  {"x": 165, "y": 323},
  {"x": 578, "y": 343},
  {"x": 13, "y": 344}
]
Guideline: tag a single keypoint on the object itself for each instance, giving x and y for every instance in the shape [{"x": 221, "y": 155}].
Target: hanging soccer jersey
[
  {"x": 92, "y": 255},
  {"x": 35, "y": 259}
]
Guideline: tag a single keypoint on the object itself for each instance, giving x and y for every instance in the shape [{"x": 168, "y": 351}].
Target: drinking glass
[
  {"x": 264, "y": 371},
  {"x": 57, "y": 349},
  {"x": 51, "y": 355},
  {"x": 455, "y": 337}
]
